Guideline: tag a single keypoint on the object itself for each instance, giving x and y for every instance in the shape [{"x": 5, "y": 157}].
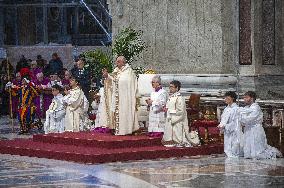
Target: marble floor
[
  {"x": 199, "y": 171},
  {"x": 9, "y": 129}
]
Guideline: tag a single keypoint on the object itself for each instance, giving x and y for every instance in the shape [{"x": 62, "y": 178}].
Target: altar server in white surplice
[
  {"x": 104, "y": 116},
  {"x": 56, "y": 112},
  {"x": 156, "y": 104},
  {"x": 176, "y": 129},
  {"x": 75, "y": 102},
  {"x": 233, "y": 135},
  {"x": 85, "y": 122},
  {"x": 255, "y": 143}
]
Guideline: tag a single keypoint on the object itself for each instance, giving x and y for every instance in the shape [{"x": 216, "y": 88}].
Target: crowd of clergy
[
  {"x": 66, "y": 108},
  {"x": 37, "y": 91}
]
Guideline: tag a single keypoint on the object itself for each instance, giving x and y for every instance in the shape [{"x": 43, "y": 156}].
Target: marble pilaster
[
  {"x": 245, "y": 32},
  {"x": 268, "y": 32}
]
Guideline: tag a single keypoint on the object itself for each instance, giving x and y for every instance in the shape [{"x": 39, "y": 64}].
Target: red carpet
[
  {"x": 97, "y": 140},
  {"x": 85, "y": 147}
]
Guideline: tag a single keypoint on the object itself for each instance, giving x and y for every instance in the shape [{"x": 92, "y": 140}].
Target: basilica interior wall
[
  {"x": 183, "y": 36},
  {"x": 266, "y": 73},
  {"x": 203, "y": 37},
  {"x": 199, "y": 37}
]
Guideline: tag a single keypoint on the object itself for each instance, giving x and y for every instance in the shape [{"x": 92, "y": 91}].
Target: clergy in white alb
[
  {"x": 85, "y": 122},
  {"x": 156, "y": 104},
  {"x": 55, "y": 114},
  {"x": 74, "y": 102},
  {"x": 104, "y": 116},
  {"x": 255, "y": 143},
  {"x": 124, "y": 97},
  {"x": 96, "y": 106},
  {"x": 176, "y": 129},
  {"x": 233, "y": 135}
]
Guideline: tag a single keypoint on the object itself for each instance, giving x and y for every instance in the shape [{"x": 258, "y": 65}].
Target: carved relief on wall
[
  {"x": 267, "y": 116},
  {"x": 278, "y": 118}
]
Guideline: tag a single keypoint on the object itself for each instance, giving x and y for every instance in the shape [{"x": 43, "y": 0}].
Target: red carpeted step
[
  {"x": 99, "y": 155},
  {"x": 97, "y": 140}
]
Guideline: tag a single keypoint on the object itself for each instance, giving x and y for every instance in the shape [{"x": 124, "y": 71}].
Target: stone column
[
  {"x": 76, "y": 22},
  {"x": 279, "y": 34},
  {"x": 39, "y": 24},
  {"x": 1, "y": 26},
  {"x": 16, "y": 25},
  {"x": 44, "y": 24},
  {"x": 63, "y": 25}
]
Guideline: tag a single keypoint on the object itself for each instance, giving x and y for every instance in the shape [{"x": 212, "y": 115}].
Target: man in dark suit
[
  {"x": 82, "y": 74},
  {"x": 55, "y": 65}
]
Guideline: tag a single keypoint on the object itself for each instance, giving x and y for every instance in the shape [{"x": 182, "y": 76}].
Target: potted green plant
[{"x": 96, "y": 60}]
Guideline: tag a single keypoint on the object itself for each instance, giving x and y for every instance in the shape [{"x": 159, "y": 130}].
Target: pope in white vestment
[
  {"x": 75, "y": 111},
  {"x": 255, "y": 143},
  {"x": 233, "y": 135},
  {"x": 124, "y": 96},
  {"x": 176, "y": 129},
  {"x": 55, "y": 114}
]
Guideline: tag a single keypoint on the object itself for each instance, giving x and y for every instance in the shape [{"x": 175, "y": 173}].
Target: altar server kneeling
[{"x": 176, "y": 128}]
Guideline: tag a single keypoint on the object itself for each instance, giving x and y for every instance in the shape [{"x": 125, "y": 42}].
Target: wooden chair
[{"x": 193, "y": 108}]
